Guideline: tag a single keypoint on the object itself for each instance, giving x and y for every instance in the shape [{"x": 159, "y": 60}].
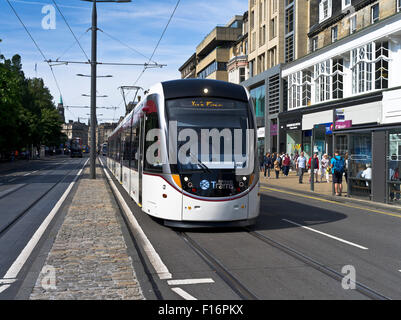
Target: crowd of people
[{"x": 323, "y": 168}]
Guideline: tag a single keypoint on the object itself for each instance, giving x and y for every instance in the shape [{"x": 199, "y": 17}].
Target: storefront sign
[
  {"x": 343, "y": 124},
  {"x": 293, "y": 126},
  {"x": 273, "y": 130}
]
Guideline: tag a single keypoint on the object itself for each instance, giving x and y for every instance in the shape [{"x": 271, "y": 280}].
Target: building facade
[
  {"x": 277, "y": 34},
  {"x": 346, "y": 93},
  {"x": 76, "y": 129}
]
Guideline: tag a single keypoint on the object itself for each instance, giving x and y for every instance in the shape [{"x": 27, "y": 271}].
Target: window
[
  {"x": 299, "y": 89},
  {"x": 314, "y": 44},
  {"x": 322, "y": 81},
  {"x": 289, "y": 48},
  {"x": 262, "y": 35},
  {"x": 289, "y": 20},
  {"x": 273, "y": 30},
  {"x": 241, "y": 75},
  {"x": 153, "y": 161},
  {"x": 375, "y": 13},
  {"x": 214, "y": 66},
  {"x": 398, "y": 5},
  {"x": 274, "y": 94},
  {"x": 352, "y": 24},
  {"x": 324, "y": 10},
  {"x": 274, "y": 6},
  {"x": 273, "y": 57},
  {"x": 258, "y": 96},
  {"x": 381, "y": 65},
  {"x": 361, "y": 66},
  {"x": 261, "y": 63},
  {"x": 334, "y": 34},
  {"x": 346, "y": 3},
  {"x": 338, "y": 78}
]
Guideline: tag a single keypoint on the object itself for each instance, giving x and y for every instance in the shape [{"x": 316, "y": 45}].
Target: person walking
[
  {"x": 301, "y": 166},
  {"x": 337, "y": 169},
  {"x": 315, "y": 167},
  {"x": 267, "y": 162},
  {"x": 277, "y": 167},
  {"x": 286, "y": 164},
  {"x": 324, "y": 168}
]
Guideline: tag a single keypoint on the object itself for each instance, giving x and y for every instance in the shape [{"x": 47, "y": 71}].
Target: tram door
[{"x": 141, "y": 157}]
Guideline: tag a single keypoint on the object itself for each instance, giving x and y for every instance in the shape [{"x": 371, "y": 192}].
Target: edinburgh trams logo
[{"x": 204, "y": 184}]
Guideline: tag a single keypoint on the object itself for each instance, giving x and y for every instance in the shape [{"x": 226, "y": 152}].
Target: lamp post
[{"x": 93, "y": 64}]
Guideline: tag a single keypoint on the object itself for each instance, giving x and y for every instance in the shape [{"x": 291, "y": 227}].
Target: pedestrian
[
  {"x": 301, "y": 166},
  {"x": 315, "y": 167},
  {"x": 346, "y": 167},
  {"x": 337, "y": 169},
  {"x": 277, "y": 167},
  {"x": 286, "y": 164},
  {"x": 267, "y": 162},
  {"x": 324, "y": 168}
]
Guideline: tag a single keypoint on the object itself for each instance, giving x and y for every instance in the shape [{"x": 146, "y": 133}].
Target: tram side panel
[{"x": 160, "y": 199}]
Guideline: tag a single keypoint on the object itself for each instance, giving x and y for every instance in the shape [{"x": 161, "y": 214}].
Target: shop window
[
  {"x": 394, "y": 168},
  {"x": 360, "y": 164},
  {"x": 258, "y": 96}
]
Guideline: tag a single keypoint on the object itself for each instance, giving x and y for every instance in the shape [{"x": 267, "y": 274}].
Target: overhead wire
[
  {"x": 68, "y": 25},
  {"x": 37, "y": 46},
  {"x": 156, "y": 47}
]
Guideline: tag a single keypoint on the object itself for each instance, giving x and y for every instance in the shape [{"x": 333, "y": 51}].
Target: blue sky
[{"x": 138, "y": 24}]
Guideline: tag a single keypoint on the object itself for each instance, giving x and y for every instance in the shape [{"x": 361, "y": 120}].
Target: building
[
  {"x": 60, "y": 109},
  {"x": 213, "y": 53},
  {"x": 188, "y": 69},
  {"x": 76, "y": 129},
  {"x": 346, "y": 93},
  {"x": 277, "y": 35},
  {"x": 103, "y": 132},
  {"x": 237, "y": 66}
]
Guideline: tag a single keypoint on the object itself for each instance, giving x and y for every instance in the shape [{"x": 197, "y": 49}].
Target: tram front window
[{"x": 213, "y": 141}]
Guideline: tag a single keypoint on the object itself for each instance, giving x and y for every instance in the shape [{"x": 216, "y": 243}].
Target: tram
[{"x": 187, "y": 154}]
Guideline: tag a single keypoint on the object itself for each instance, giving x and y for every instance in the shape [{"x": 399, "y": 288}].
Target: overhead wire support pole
[{"x": 93, "y": 121}]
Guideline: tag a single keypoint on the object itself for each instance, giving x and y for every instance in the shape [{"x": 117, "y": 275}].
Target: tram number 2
[{"x": 222, "y": 309}]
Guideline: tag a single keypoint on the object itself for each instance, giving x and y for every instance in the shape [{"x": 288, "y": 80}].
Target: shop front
[{"x": 292, "y": 131}]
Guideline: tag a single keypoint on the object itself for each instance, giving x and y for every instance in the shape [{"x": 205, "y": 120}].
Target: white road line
[
  {"x": 154, "y": 258},
  {"x": 4, "y": 287},
  {"x": 26, "y": 252},
  {"x": 189, "y": 281},
  {"x": 7, "y": 281},
  {"x": 327, "y": 235},
  {"x": 27, "y": 174},
  {"x": 183, "y": 294}
]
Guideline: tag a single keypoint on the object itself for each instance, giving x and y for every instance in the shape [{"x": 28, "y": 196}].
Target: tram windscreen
[{"x": 211, "y": 133}]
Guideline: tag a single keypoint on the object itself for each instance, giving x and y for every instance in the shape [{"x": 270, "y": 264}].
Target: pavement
[
  {"x": 322, "y": 189},
  {"x": 89, "y": 257}
]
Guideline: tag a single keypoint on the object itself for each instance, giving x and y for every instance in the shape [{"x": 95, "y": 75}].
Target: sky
[{"x": 138, "y": 24}]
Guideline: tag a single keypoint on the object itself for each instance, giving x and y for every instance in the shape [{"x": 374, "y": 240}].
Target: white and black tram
[{"x": 187, "y": 154}]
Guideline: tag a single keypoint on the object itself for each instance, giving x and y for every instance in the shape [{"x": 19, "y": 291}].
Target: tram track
[
  {"x": 361, "y": 288},
  {"x": 19, "y": 216}
]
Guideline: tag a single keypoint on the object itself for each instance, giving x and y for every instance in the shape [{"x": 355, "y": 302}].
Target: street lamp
[
  {"x": 88, "y": 76},
  {"x": 93, "y": 63}
]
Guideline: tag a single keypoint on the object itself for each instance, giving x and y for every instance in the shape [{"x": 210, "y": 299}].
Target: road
[
  {"x": 27, "y": 196},
  {"x": 301, "y": 248}
]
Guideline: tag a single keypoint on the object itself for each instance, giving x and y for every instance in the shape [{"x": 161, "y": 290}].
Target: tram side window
[
  {"x": 135, "y": 148},
  {"x": 152, "y": 163},
  {"x": 126, "y": 146}
]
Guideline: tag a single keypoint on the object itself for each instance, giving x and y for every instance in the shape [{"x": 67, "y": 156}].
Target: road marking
[
  {"x": 327, "y": 235},
  {"x": 7, "y": 281},
  {"x": 189, "y": 281},
  {"x": 154, "y": 258},
  {"x": 183, "y": 294},
  {"x": 11, "y": 180},
  {"x": 26, "y": 252},
  {"x": 4, "y": 287},
  {"x": 334, "y": 202},
  {"x": 6, "y": 192}
]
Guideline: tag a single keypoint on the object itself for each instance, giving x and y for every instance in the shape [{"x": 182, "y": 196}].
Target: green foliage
[{"x": 27, "y": 113}]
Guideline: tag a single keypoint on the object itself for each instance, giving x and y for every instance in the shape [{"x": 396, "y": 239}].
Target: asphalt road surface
[
  {"x": 302, "y": 247},
  {"x": 27, "y": 196}
]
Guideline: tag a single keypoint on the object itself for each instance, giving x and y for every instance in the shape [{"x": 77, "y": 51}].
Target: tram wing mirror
[{"x": 150, "y": 107}]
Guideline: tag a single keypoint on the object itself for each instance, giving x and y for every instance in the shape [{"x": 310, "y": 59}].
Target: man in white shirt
[
  {"x": 301, "y": 166},
  {"x": 367, "y": 174}
]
